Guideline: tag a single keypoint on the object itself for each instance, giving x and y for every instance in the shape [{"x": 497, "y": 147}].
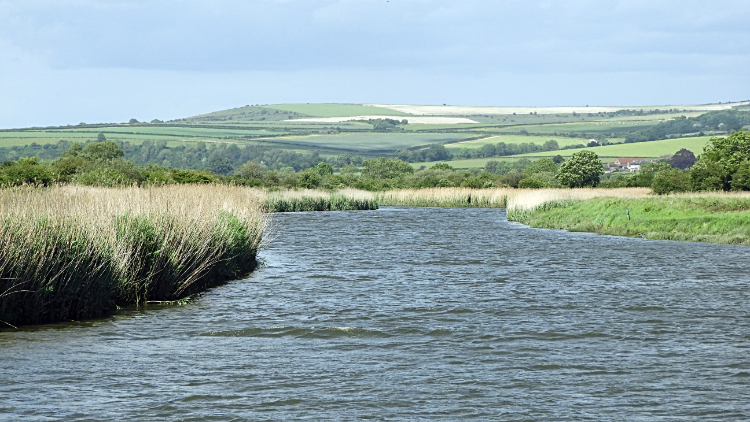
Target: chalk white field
[
  {"x": 411, "y": 119},
  {"x": 436, "y": 110}
]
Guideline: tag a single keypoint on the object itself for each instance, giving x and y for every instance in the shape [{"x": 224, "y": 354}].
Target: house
[
  {"x": 636, "y": 165},
  {"x": 623, "y": 163},
  {"x": 612, "y": 167}
]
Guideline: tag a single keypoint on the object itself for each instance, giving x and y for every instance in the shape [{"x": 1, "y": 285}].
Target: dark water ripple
[{"x": 415, "y": 314}]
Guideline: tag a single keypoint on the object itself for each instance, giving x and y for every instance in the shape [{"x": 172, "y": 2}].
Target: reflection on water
[{"x": 414, "y": 314}]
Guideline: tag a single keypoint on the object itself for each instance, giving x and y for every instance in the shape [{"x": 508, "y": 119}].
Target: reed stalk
[{"x": 77, "y": 252}]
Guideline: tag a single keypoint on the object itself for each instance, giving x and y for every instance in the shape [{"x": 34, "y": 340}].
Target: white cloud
[{"x": 170, "y": 58}]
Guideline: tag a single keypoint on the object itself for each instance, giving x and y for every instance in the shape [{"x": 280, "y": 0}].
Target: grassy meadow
[
  {"x": 514, "y": 139},
  {"x": 336, "y": 110},
  {"x": 371, "y": 142},
  {"x": 651, "y": 149}
]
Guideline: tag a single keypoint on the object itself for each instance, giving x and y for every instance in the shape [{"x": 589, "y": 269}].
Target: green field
[
  {"x": 471, "y": 163},
  {"x": 373, "y": 142},
  {"x": 636, "y": 150},
  {"x": 9, "y": 139},
  {"x": 335, "y": 110},
  {"x": 602, "y": 127},
  {"x": 514, "y": 139},
  {"x": 172, "y": 131}
]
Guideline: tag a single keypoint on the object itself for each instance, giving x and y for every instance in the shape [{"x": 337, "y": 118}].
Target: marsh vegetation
[{"x": 68, "y": 253}]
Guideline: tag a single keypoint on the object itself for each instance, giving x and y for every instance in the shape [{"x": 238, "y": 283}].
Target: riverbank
[
  {"x": 70, "y": 253},
  {"x": 707, "y": 217}
]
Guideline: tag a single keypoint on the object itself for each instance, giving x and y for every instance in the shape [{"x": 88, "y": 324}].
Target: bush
[
  {"x": 721, "y": 159},
  {"x": 386, "y": 168},
  {"x": 706, "y": 175},
  {"x": 192, "y": 176},
  {"x": 309, "y": 179},
  {"x": 531, "y": 183},
  {"x": 27, "y": 171},
  {"x": 741, "y": 178},
  {"x": 668, "y": 181},
  {"x": 107, "y": 150}
]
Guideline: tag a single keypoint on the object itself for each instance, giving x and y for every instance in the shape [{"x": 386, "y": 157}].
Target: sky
[{"x": 71, "y": 61}]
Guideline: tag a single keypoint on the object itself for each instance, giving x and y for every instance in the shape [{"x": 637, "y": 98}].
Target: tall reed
[
  {"x": 77, "y": 252},
  {"x": 446, "y": 197},
  {"x": 317, "y": 200}
]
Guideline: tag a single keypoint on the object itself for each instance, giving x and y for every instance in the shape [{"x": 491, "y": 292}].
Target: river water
[{"x": 414, "y": 314}]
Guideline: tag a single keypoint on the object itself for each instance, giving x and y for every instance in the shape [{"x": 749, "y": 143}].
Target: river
[{"x": 414, "y": 314}]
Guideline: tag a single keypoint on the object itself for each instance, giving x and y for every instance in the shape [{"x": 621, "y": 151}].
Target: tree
[
  {"x": 682, "y": 159},
  {"x": 582, "y": 169},
  {"x": 106, "y": 150},
  {"x": 309, "y": 179},
  {"x": 219, "y": 165},
  {"x": 251, "y": 170},
  {"x": 324, "y": 169},
  {"x": 721, "y": 159},
  {"x": 670, "y": 180},
  {"x": 100, "y": 137},
  {"x": 706, "y": 175},
  {"x": 442, "y": 166},
  {"x": 541, "y": 165},
  {"x": 551, "y": 145},
  {"x": 741, "y": 178},
  {"x": 133, "y": 121},
  {"x": 386, "y": 168}
]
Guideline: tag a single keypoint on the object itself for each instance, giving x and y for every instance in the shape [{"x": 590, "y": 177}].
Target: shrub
[
  {"x": 668, "y": 181},
  {"x": 27, "y": 171},
  {"x": 531, "y": 183},
  {"x": 309, "y": 179},
  {"x": 741, "y": 178},
  {"x": 192, "y": 176},
  {"x": 706, "y": 175},
  {"x": 386, "y": 168}
]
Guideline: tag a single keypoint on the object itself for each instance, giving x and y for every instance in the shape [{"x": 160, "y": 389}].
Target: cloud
[{"x": 229, "y": 52}]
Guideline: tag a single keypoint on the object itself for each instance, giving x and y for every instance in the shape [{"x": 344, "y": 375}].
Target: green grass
[
  {"x": 712, "y": 219},
  {"x": 603, "y": 127},
  {"x": 515, "y": 139},
  {"x": 471, "y": 163},
  {"x": 374, "y": 142},
  {"x": 335, "y": 110},
  {"x": 170, "y": 131},
  {"x": 651, "y": 149}
]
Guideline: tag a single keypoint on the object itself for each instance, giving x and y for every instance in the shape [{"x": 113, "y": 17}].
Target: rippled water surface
[{"x": 422, "y": 313}]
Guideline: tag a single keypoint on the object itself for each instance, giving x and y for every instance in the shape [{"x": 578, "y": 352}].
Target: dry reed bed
[
  {"x": 446, "y": 197},
  {"x": 497, "y": 197},
  {"x": 77, "y": 252}
]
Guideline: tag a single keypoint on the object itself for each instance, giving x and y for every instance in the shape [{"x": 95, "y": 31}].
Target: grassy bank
[
  {"x": 715, "y": 218},
  {"x": 72, "y": 252}
]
